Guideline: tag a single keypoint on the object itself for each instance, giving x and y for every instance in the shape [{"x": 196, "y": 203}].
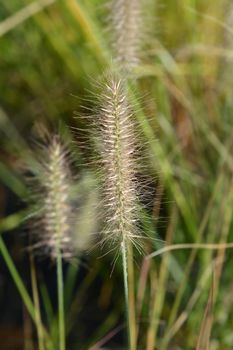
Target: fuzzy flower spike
[
  {"x": 126, "y": 24},
  {"x": 117, "y": 157},
  {"x": 54, "y": 204}
]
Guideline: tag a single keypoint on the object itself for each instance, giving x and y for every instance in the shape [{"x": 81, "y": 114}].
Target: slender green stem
[
  {"x": 17, "y": 279},
  {"x": 39, "y": 327},
  {"x": 132, "y": 316},
  {"x": 126, "y": 289},
  {"x": 60, "y": 289},
  {"x": 129, "y": 294},
  {"x": 21, "y": 289}
]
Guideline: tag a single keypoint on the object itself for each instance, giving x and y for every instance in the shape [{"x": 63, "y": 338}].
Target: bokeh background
[{"x": 51, "y": 54}]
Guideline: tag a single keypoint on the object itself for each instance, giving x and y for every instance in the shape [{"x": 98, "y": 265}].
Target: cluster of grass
[{"x": 183, "y": 102}]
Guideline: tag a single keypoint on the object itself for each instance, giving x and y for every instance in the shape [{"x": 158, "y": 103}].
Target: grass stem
[
  {"x": 126, "y": 250},
  {"x": 17, "y": 280},
  {"x": 126, "y": 289},
  {"x": 36, "y": 301},
  {"x": 60, "y": 289}
]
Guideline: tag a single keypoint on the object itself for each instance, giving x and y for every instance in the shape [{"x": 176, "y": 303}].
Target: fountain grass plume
[
  {"x": 54, "y": 215},
  {"x": 117, "y": 156},
  {"x": 126, "y": 24}
]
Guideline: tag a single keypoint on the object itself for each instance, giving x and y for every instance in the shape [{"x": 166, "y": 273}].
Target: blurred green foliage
[{"x": 184, "y": 103}]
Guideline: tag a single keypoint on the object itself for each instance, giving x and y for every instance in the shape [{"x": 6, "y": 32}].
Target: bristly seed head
[
  {"x": 53, "y": 202},
  {"x": 117, "y": 156},
  {"x": 126, "y": 24}
]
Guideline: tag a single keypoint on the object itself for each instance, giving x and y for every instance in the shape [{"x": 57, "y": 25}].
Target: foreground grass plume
[
  {"x": 54, "y": 179},
  {"x": 116, "y": 137},
  {"x": 126, "y": 24}
]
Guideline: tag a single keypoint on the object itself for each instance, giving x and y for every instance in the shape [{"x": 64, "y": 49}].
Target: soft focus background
[{"x": 51, "y": 54}]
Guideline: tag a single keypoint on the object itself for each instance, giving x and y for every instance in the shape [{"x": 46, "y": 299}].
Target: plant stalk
[
  {"x": 17, "y": 279},
  {"x": 39, "y": 327},
  {"x": 60, "y": 289},
  {"x": 128, "y": 273}
]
